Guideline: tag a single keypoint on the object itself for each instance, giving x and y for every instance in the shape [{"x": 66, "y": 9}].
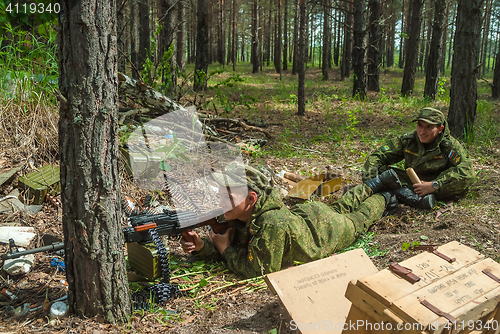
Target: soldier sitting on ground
[
  {"x": 438, "y": 159},
  {"x": 267, "y": 236}
]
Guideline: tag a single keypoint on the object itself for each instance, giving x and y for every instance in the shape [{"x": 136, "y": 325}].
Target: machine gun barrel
[{"x": 52, "y": 247}]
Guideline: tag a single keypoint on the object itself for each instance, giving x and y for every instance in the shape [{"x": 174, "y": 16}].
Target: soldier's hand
[
  {"x": 191, "y": 241},
  {"x": 424, "y": 188},
  {"x": 222, "y": 241}
]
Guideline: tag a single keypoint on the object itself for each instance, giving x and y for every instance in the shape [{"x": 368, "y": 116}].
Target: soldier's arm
[
  {"x": 263, "y": 255},
  {"x": 208, "y": 251},
  {"x": 391, "y": 152},
  {"x": 460, "y": 175}
]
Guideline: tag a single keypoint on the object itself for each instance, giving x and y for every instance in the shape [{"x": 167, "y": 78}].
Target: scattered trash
[
  {"x": 22, "y": 310},
  {"x": 6, "y": 176},
  {"x": 58, "y": 310},
  {"x": 19, "y": 266},
  {"x": 11, "y": 204},
  {"x": 22, "y": 235},
  {"x": 9, "y": 294},
  {"x": 58, "y": 264}
]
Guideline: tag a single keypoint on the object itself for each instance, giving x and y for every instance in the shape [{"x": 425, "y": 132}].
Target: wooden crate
[{"x": 465, "y": 291}]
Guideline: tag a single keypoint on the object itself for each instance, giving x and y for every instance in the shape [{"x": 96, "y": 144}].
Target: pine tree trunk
[
  {"x": 202, "y": 46},
  {"x": 435, "y": 53},
  {"x": 412, "y": 47},
  {"x": 347, "y": 50},
  {"x": 134, "y": 39},
  {"x": 373, "y": 54},
  {"x": 495, "y": 89},
  {"x": 88, "y": 147},
  {"x": 402, "y": 42},
  {"x": 122, "y": 36},
  {"x": 391, "y": 33},
  {"x": 235, "y": 34},
  {"x": 463, "y": 92},
  {"x": 296, "y": 25},
  {"x": 255, "y": 37},
  {"x": 144, "y": 32},
  {"x": 167, "y": 34},
  {"x": 301, "y": 69},
  {"x": 278, "y": 40},
  {"x": 444, "y": 39},
  {"x": 326, "y": 39},
  {"x": 285, "y": 35},
  {"x": 181, "y": 37},
  {"x": 336, "y": 51},
  {"x": 358, "y": 50}
]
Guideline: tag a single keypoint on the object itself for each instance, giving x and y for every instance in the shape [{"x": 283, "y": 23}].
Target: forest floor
[{"x": 336, "y": 131}]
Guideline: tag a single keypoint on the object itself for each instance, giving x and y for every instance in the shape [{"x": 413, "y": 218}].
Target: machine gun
[{"x": 171, "y": 223}]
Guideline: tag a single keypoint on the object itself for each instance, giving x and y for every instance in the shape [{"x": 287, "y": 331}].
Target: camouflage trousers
[{"x": 360, "y": 207}]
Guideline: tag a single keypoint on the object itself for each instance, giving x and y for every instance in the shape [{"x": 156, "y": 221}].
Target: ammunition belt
[{"x": 162, "y": 291}]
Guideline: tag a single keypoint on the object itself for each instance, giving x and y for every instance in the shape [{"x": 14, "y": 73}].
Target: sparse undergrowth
[{"x": 337, "y": 131}]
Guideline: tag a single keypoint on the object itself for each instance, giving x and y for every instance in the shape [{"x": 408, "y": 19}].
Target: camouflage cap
[
  {"x": 237, "y": 175},
  {"x": 430, "y": 115}
]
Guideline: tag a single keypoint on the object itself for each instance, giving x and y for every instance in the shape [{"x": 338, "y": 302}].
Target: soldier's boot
[
  {"x": 391, "y": 203},
  {"x": 410, "y": 198},
  {"x": 386, "y": 180}
]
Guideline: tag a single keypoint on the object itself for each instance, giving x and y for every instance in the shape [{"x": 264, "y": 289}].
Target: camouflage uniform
[
  {"x": 276, "y": 236},
  {"x": 444, "y": 160}
]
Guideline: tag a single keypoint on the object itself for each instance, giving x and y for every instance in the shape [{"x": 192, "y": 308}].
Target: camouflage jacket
[
  {"x": 276, "y": 236},
  {"x": 445, "y": 160}
]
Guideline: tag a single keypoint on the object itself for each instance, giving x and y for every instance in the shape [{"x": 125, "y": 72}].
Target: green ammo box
[
  {"x": 144, "y": 260},
  {"x": 38, "y": 183},
  {"x": 141, "y": 162}
]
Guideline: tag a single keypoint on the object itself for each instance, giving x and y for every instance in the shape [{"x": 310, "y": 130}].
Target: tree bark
[
  {"x": 495, "y": 88},
  {"x": 235, "y": 34},
  {"x": 402, "y": 41},
  {"x": 296, "y": 25},
  {"x": 285, "y": 35},
  {"x": 326, "y": 39},
  {"x": 374, "y": 48},
  {"x": 181, "y": 37},
  {"x": 412, "y": 47},
  {"x": 144, "y": 32},
  {"x": 167, "y": 40},
  {"x": 434, "y": 59},
  {"x": 122, "y": 20},
  {"x": 90, "y": 189},
  {"x": 463, "y": 93},
  {"x": 301, "y": 59},
  {"x": 391, "y": 33},
  {"x": 278, "y": 40},
  {"x": 336, "y": 50},
  {"x": 345, "y": 70},
  {"x": 134, "y": 39},
  {"x": 358, "y": 50},
  {"x": 202, "y": 46},
  {"x": 255, "y": 37}
]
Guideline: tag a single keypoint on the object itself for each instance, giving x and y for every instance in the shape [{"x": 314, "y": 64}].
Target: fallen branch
[
  {"x": 132, "y": 112},
  {"x": 245, "y": 126}
]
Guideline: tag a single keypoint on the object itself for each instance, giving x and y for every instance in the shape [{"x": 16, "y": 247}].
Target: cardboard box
[
  {"x": 463, "y": 291},
  {"x": 313, "y": 293},
  {"x": 319, "y": 185}
]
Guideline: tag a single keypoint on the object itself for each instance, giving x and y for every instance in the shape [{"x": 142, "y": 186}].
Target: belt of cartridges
[{"x": 160, "y": 292}]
